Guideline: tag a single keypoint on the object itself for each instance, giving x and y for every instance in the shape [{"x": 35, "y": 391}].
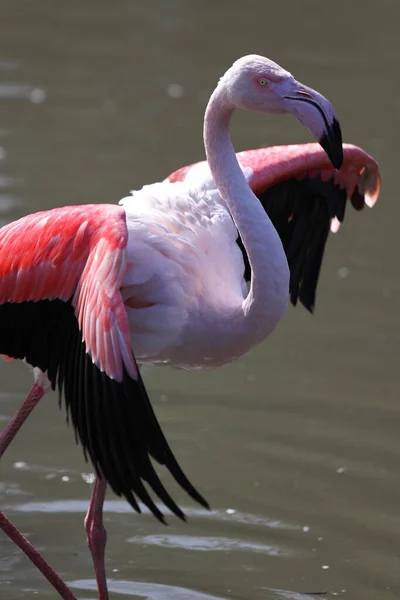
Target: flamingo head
[{"x": 258, "y": 84}]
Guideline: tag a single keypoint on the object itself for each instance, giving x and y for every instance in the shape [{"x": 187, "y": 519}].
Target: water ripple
[
  {"x": 157, "y": 591},
  {"x": 21, "y": 91},
  {"x": 120, "y": 507},
  {"x": 6, "y": 182},
  {"x": 9, "y": 64},
  {"x": 288, "y": 595},
  {"x": 7, "y": 202},
  {"x": 206, "y": 544},
  {"x": 150, "y": 591}
]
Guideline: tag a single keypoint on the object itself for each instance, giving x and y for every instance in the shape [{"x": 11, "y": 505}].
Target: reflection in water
[{"x": 206, "y": 544}]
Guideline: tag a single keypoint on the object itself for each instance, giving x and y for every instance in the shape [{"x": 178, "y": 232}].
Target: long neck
[{"x": 269, "y": 289}]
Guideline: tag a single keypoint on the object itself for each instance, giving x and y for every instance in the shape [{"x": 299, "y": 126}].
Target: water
[{"x": 296, "y": 446}]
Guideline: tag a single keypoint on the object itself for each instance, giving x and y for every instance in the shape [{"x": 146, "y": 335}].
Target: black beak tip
[{"x": 331, "y": 142}]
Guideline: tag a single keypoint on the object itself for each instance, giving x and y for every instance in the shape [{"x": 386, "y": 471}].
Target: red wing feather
[
  {"x": 359, "y": 173},
  {"x": 74, "y": 251}
]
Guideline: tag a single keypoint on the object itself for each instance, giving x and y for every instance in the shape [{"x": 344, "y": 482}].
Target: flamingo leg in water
[
  {"x": 95, "y": 532},
  {"x": 33, "y": 555},
  {"x": 96, "y": 535},
  {"x": 35, "y": 394}
]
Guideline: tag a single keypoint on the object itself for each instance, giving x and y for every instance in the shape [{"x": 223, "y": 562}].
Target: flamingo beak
[
  {"x": 316, "y": 112},
  {"x": 331, "y": 142}
]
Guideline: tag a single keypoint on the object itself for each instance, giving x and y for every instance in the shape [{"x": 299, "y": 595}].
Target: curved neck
[{"x": 269, "y": 289}]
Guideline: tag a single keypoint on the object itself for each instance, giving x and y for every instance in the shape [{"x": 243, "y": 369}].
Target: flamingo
[{"x": 88, "y": 293}]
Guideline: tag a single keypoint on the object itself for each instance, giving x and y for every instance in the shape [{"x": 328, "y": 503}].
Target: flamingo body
[
  {"x": 92, "y": 282},
  {"x": 163, "y": 274},
  {"x": 191, "y": 272},
  {"x": 186, "y": 280}
]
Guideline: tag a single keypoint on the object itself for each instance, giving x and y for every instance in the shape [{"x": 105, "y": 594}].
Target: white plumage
[{"x": 186, "y": 285}]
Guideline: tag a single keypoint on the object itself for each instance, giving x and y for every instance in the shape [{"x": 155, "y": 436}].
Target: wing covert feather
[{"x": 74, "y": 251}]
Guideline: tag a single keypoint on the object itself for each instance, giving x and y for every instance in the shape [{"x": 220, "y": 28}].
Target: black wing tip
[
  {"x": 301, "y": 212},
  {"x": 122, "y": 444},
  {"x": 184, "y": 482},
  {"x": 118, "y": 443},
  {"x": 161, "y": 519},
  {"x": 305, "y": 297},
  {"x": 309, "y": 305},
  {"x": 195, "y": 495},
  {"x": 203, "y": 502}
]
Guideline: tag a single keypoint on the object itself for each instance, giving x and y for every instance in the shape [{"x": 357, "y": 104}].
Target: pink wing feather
[
  {"x": 74, "y": 252},
  {"x": 359, "y": 173}
]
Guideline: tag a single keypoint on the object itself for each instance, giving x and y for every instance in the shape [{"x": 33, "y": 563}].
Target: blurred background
[{"x": 296, "y": 446}]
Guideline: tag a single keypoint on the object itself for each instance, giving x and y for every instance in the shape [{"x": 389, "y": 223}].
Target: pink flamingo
[{"x": 88, "y": 292}]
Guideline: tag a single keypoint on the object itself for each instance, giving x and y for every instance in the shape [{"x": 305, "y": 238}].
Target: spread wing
[
  {"x": 61, "y": 309},
  {"x": 305, "y": 198}
]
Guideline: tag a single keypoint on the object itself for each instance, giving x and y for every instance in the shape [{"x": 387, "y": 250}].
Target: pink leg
[
  {"x": 36, "y": 392},
  {"x": 39, "y": 562},
  {"x": 96, "y": 535}
]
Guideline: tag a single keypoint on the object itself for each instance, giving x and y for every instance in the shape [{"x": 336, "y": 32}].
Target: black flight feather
[
  {"x": 113, "y": 421},
  {"x": 301, "y": 212}
]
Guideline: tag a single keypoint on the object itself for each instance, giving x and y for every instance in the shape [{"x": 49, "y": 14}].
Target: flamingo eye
[{"x": 263, "y": 81}]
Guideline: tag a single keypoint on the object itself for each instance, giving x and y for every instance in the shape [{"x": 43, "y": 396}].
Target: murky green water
[{"x": 296, "y": 447}]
